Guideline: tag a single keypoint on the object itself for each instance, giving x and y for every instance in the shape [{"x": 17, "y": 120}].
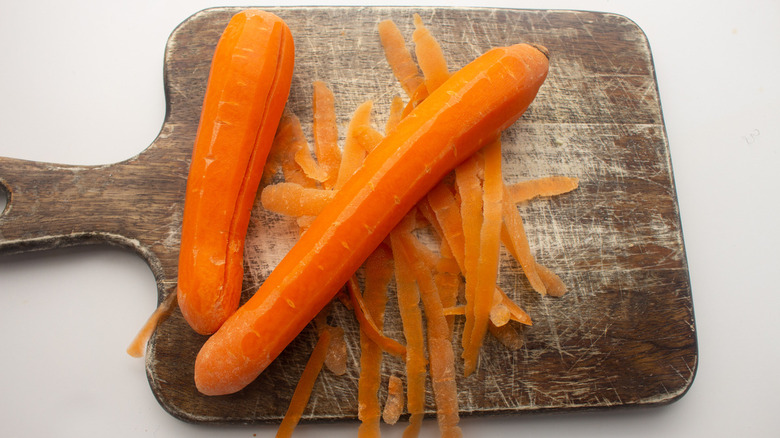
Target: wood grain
[{"x": 623, "y": 336}]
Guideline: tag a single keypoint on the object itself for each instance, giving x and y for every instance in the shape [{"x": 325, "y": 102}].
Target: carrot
[
  {"x": 448, "y": 217},
  {"x": 326, "y": 134},
  {"x": 464, "y": 114},
  {"x": 399, "y": 57},
  {"x": 247, "y": 90},
  {"x": 304, "y": 387}
]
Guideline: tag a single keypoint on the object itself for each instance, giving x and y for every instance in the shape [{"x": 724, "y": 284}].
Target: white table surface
[{"x": 73, "y": 74}]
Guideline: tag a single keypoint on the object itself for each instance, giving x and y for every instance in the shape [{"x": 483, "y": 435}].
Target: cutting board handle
[
  {"x": 51, "y": 205},
  {"x": 136, "y": 204}
]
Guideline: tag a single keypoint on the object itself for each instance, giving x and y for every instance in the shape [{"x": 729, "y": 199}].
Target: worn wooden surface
[{"x": 623, "y": 336}]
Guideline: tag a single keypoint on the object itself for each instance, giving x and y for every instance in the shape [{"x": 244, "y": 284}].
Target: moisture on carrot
[
  {"x": 247, "y": 89},
  {"x": 460, "y": 117}
]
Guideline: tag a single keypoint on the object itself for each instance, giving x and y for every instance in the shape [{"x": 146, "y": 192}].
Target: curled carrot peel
[
  {"x": 411, "y": 320},
  {"x": 164, "y": 309},
  {"x": 465, "y": 113},
  {"x": 515, "y": 239},
  {"x": 295, "y": 200},
  {"x": 548, "y": 186},
  {"x": 399, "y": 57},
  {"x": 470, "y": 191},
  {"x": 305, "y": 385},
  {"x": 378, "y": 274},
  {"x": 326, "y": 133},
  {"x": 367, "y": 324},
  {"x": 394, "y": 404},
  {"x": 489, "y": 247},
  {"x": 247, "y": 89},
  {"x": 429, "y": 56}
]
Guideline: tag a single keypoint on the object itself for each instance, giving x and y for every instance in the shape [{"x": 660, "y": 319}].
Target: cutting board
[{"x": 624, "y": 335}]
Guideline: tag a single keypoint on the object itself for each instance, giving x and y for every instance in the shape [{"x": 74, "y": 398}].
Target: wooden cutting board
[{"x": 624, "y": 335}]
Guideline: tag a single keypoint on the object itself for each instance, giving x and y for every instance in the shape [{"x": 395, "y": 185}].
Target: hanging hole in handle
[{"x": 4, "y": 195}]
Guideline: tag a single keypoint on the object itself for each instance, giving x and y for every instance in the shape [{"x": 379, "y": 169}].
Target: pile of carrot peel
[{"x": 470, "y": 214}]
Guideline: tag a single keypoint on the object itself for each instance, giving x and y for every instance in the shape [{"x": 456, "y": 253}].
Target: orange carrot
[
  {"x": 247, "y": 89},
  {"x": 399, "y": 57},
  {"x": 305, "y": 385},
  {"x": 326, "y": 134},
  {"x": 378, "y": 273},
  {"x": 515, "y": 312},
  {"x": 464, "y": 114}
]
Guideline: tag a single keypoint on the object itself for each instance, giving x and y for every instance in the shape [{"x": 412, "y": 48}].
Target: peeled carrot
[
  {"x": 468, "y": 111},
  {"x": 247, "y": 90}
]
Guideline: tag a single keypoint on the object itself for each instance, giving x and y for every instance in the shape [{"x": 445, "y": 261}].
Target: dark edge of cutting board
[{"x": 137, "y": 204}]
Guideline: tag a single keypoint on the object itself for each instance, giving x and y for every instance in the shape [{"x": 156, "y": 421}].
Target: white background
[{"x": 81, "y": 83}]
